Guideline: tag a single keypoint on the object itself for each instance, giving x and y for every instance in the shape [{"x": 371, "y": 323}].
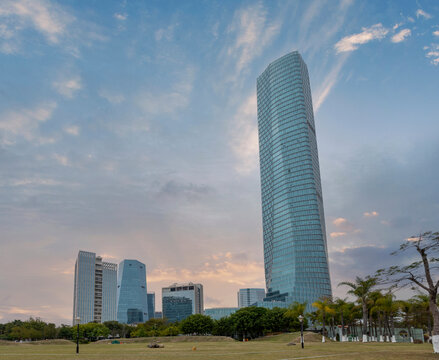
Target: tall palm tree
[
  {"x": 324, "y": 308},
  {"x": 375, "y": 310},
  {"x": 341, "y": 307},
  {"x": 361, "y": 289}
]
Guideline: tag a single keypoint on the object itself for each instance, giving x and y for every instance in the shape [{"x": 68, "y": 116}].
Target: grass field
[{"x": 270, "y": 348}]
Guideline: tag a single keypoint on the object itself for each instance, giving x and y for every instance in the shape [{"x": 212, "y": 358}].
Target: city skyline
[{"x": 131, "y": 129}]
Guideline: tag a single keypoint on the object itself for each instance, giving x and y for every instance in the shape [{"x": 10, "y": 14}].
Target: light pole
[
  {"x": 301, "y": 329},
  {"x": 78, "y": 320}
]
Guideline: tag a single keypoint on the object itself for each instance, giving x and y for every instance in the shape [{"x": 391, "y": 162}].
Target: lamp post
[
  {"x": 78, "y": 320},
  {"x": 301, "y": 329}
]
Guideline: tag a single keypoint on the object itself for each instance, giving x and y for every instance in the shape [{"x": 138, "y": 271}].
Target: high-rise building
[
  {"x": 94, "y": 293},
  {"x": 109, "y": 291},
  {"x": 295, "y": 250},
  {"x": 132, "y": 303},
  {"x": 151, "y": 304},
  {"x": 176, "y": 299},
  {"x": 247, "y": 297}
]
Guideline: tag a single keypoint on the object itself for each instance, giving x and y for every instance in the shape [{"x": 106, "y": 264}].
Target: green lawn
[{"x": 271, "y": 348}]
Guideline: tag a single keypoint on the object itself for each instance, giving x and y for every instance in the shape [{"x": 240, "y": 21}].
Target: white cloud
[
  {"x": 352, "y": 42},
  {"x": 422, "y": 13},
  {"x": 337, "y": 234},
  {"x": 432, "y": 53},
  {"x": 244, "y": 136},
  {"x": 72, "y": 130},
  {"x": 370, "y": 214},
  {"x": 69, "y": 86},
  {"x": 253, "y": 34},
  {"x": 121, "y": 17},
  {"x": 63, "y": 160},
  {"x": 401, "y": 36},
  {"x": 324, "y": 89},
  {"x": 340, "y": 221},
  {"x": 24, "y": 122},
  {"x": 111, "y": 97},
  {"x": 44, "y": 16},
  {"x": 436, "y": 33}
]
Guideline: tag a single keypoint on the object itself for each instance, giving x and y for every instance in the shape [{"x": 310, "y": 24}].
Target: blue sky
[{"x": 130, "y": 129}]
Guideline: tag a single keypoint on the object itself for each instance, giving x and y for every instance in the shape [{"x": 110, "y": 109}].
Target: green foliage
[
  {"x": 249, "y": 322},
  {"x": 197, "y": 324},
  {"x": 153, "y": 327},
  {"x": 223, "y": 327},
  {"x": 90, "y": 331}
]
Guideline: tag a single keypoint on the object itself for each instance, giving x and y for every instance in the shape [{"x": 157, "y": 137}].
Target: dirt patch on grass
[{"x": 310, "y": 337}]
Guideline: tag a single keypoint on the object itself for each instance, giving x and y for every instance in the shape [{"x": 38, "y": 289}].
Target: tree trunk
[
  {"x": 364, "y": 327},
  {"x": 342, "y": 327},
  {"x": 435, "y": 313}
]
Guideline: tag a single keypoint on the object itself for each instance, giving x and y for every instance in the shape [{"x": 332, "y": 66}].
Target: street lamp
[
  {"x": 301, "y": 329},
  {"x": 78, "y": 320}
]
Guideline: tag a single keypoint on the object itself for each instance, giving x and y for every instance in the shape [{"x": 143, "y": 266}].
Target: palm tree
[
  {"x": 341, "y": 307},
  {"x": 421, "y": 304},
  {"x": 361, "y": 288},
  {"x": 323, "y": 309},
  {"x": 406, "y": 310},
  {"x": 375, "y": 309},
  {"x": 389, "y": 307},
  {"x": 373, "y": 298}
]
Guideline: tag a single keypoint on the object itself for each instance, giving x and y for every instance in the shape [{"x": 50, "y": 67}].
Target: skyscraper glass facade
[
  {"x": 94, "y": 293},
  {"x": 109, "y": 291},
  {"x": 176, "y": 308},
  {"x": 295, "y": 250},
  {"x": 84, "y": 287},
  {"x": 151, "y": 304},
  {"x": 132, "y": 303},
  {"x": 247, "y": 297}
]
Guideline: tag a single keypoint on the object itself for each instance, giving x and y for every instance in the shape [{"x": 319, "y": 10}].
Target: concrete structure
[
  {"x": 218, "y": 313},
  {"x": 247, "y": 297},
  {"x": 151, "y": 304},
  {"x": 94, "y": 295},
  {"x": 177, "y": 297},
  {"x": 132, "y": 303},
  {"x": 295, "y": 250}
]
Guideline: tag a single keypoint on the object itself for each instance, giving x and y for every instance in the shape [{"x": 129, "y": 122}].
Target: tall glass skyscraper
[
  {"x": 94, "y": 293},
  {"x": 295, "y": 250},
  {"x": 132, "y": 303}
]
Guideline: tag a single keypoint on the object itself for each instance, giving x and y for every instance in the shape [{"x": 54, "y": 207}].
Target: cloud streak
[
  {"x": 401, "y": 36},
  {"x": 352, "y": 42},
  {"x": 253, "y": 33}
]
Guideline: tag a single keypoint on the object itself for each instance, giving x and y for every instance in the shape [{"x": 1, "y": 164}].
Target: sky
[{"x": 130, "y": 129}]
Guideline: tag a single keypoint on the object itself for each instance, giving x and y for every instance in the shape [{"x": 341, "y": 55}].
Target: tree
[
  {"x": 223, "y": 327},
  {"x": 248, "y": 322},
  {"x": 292, "y": 316},
  {"x": 361, "y": 288},
  {"x": 197, "y": 324},
  {"x": 324, "y": 308},
  {"x": 388, "y": 307},
  {"x": 423, "y": 273},
  {"x": 114, "y": 327}
]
